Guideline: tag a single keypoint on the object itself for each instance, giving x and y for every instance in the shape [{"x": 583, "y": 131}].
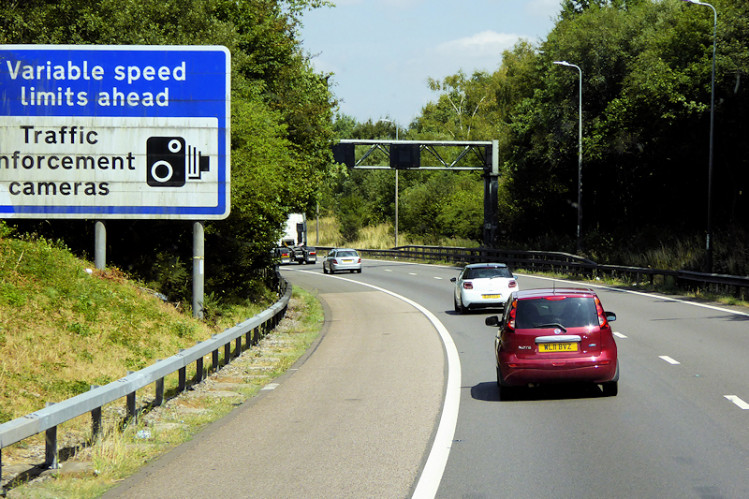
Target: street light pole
[
  {"x": 579, "y": 154},
  {"x": 708, "y": 242},
  {"x": 396, "y": 193}
]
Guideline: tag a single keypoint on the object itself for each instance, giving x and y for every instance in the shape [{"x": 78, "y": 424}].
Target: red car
[{"x": 555, "y": 336}]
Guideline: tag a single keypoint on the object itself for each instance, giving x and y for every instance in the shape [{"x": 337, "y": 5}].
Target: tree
[
  {"x": 646, "y": 73},
  {"x": 281, "y": 123}
]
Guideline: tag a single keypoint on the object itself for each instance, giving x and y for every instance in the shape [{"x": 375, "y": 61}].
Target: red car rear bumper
[{"x": 595, "y": 369}]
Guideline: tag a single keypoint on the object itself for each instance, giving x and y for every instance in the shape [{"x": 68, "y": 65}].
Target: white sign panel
[{"x": 114, "y": 132}]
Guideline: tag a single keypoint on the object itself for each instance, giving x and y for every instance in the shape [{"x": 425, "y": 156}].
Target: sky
[{"x": 382, "y": 52}]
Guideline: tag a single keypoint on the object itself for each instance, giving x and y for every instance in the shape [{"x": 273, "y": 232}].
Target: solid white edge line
[
  {"x": 619, "y": 335},
  {"x": 431, "y": 475},
  {"x": 736, "y": 400},
  {"x": 669, "y": 360}
]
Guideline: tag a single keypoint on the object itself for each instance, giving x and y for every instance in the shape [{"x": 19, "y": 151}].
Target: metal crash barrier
[{"x": 47, "y": 420}]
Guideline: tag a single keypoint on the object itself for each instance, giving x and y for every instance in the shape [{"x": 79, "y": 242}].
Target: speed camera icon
[{"x": 171, "y": 162}]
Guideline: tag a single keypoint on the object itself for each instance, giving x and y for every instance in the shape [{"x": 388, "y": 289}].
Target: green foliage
[
  {"x": 281, "y": 127},
  {"x": 646, "y": 68},
  {"x": 64, "y": 326},
  {"x": 81, "y": 329},
  {"x": 462, "y": 213},
  {"x": 351, "y": 212},
  {"x": 65, "y": 388}
]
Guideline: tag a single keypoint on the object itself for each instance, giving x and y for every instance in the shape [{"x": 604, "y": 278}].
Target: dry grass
[
  {"x": 381, "y": 236},
  {"x": 65, "y": 327},
  {"x": 122, "y": 451}
]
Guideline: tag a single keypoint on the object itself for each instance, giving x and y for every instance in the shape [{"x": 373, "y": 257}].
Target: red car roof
[{"x": 550, "y": 292}]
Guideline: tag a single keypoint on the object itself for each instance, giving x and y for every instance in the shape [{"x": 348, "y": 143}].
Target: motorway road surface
[
  {"x": 678, "y": 428},
  {"x": 355, "y": 419}
]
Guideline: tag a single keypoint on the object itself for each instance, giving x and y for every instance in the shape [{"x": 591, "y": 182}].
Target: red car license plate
[{"x": 557, "y": 347}]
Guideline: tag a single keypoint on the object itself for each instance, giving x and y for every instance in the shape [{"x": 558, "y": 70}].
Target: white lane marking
[
  {"x": 412, "y": 273},
  {"x": 619, "y": 335},
  {"x": 437, "y": 277},
  {"x": 388, "y": 270},
  {"x": 669, "y": 359},
  {"x": 270, "y": 386},
  {"x": 649, "y": 295},
  {"x": 736, "y": 400},
  {"x": 431, "y": 475}
]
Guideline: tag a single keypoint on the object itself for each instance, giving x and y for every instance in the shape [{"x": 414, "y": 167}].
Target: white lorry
[{"x": 293, "y": 244}]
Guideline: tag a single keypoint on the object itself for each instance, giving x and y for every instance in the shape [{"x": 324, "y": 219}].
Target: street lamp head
[
  {"x": 565, "y": 63},
  {"x": 697, "y": 2}
]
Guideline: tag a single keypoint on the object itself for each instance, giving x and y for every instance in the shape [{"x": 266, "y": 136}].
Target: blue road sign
[{"x": 114, "y": 131}]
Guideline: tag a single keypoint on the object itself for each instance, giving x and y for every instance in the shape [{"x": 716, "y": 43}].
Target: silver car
[{"x": 341, "y": 259}]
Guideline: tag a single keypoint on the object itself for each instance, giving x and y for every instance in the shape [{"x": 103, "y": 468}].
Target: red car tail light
[
  {"x": 358, "y": 260},
  {"x": 467, "y": 285},
  {"x": 512, "y": 284},
  {"x": 601, "y": 314},
  {"x": 511, "y": 316}
]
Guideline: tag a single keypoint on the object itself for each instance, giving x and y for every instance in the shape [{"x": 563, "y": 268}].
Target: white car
[
  {"x": 483, "y": 285},
  {"x": 341, "y": 259}
]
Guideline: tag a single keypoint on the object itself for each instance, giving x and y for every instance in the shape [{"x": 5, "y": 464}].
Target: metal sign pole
[
  {"x": 198, "y": 269},
  {"x": 100, "y": 245}
]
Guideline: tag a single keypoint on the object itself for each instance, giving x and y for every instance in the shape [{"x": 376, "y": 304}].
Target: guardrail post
[
  {"x": 50, "y": 449},
  {"x": 182, "y": 379},
  {"x": 50, "y": 446},
  {"x": 95, "y": 418},
  {"x": 238, "y": 346},
  {"x": 159, "y": 392},
  {"x": 214, "y": 360},
  {"x": 130, "y": 403},
  {"x": 199, "y": 370},
  {"x": 131, "y": 412}
]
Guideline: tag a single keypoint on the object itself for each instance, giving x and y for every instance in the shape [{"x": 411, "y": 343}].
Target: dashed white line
[
  {"x": 619, "y": 335},
  {"x": 736, "y": 400},
  {"x": 270, "y": 386},
  {"x": 669, "y": 360},
  {"x": 438, "y": 278}
]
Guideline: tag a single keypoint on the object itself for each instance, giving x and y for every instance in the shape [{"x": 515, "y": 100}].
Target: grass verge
[
  {"x": 122, "y": 450},
  {"x": 65, "y": 326}
]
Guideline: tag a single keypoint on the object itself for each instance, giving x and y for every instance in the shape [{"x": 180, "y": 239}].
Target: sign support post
[
  {"x": 100, "y": 245},
  {"x": 198, "y": 270}
]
